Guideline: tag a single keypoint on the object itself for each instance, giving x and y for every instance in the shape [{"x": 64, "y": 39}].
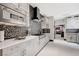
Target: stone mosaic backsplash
[{"x": 13, "y": 31}]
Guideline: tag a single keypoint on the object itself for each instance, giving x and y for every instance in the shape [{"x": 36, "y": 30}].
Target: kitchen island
[
  {"x": 15, "y": 47},
  {"x": 30, "y": 46}
]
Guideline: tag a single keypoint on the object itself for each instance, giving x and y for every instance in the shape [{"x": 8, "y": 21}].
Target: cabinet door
[
  {"x": 10, "y": 51},
  {"x": 77, "y": 38},
  {"x": 74, "y": 38},
  {"x": 29, "y": 47},
  {"x": 69, "y": 37},
  {"x": 23, "y": 7},
  {"x": 11, "y": 5},
  {"x": 15, "y": 50},
  {"x": 32, "y": 47},
  {"x": 36, "y": 46},
  {"x": 47, "y": 38},
  {"x": 42, "y": 42}
]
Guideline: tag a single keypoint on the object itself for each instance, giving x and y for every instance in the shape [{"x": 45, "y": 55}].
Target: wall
[{"x": 59, "y": 22}]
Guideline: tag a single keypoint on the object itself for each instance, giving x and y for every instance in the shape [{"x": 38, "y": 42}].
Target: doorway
[{"x": 59, "y": 32}]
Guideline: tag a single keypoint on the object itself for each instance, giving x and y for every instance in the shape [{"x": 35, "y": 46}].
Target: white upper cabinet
[
  {"x": 23, "y": 7},
  {"x": 45, "y": 22},
  {"x": 73, "y": 22}
]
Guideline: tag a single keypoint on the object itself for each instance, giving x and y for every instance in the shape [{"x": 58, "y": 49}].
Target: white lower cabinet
[
  {"x": 43, "y": 41},
  {"x": 15, "y": 50},
  {"x": 36, "y": 46},
  {"x": 47, "y": 38},
  {"x": 26, "y": 48},
  {"x": 74, "y": 37},
  {"x": 77, "y": 38},
  {"x": 69, "y": 37},
  {"x": 29, "y": 48},
  {"x": 32, "y": 47}
]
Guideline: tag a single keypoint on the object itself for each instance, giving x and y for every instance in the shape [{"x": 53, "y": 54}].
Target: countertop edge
[{"x": 11, "y": 42}]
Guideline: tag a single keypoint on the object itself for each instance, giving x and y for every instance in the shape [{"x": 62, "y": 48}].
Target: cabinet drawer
[
  {"x": 14, "y": 50},
  {"x": 42, "y": 42},
  {"x": 74, "y": 38},
  {"x": 77, "y": 38},
  {"x": 69, "y": 37},
  {"x": 10, "y": 50}
]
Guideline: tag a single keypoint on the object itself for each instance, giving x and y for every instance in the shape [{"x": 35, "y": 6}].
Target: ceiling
[{"x": 58, "y": 10}]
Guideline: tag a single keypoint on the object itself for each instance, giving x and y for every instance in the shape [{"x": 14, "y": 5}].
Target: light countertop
[{"x": 11, "y": 42}]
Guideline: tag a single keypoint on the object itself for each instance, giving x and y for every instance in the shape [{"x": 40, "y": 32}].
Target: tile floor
[{"x": 60, "y": 48}]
